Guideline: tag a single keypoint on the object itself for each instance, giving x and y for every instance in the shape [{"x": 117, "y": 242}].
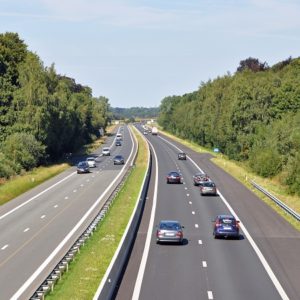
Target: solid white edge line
[
  {"x": 41, "y": 193},
  {"x": 105, "y": 277},
  {"x": 138, "y": 283},
  {"x": 29, "y": 281},
  {"x": 261, "y": 257},
  {"x": 36, "y": 196}
]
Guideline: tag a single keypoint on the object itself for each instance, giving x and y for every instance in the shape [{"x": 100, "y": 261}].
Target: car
[
  {"x": 181, "y": 156},
  {"x": 118, "y": 143},
  {"x": 169, "y": 231},
  {"x": 200, "y": 177},
  {"x": 91, "y": 162},
  {"x": 119, "y": 136},
  {"x": 145, "y": 132},
  {"x": 119, "y": 160},
  {"x": 174, "y": 177},
  {"x": 83, "y": 167},
  {"x": 208, "y": 188},
  {"x": 226, "y": 226},
  {"x": 106, "y": 151}
]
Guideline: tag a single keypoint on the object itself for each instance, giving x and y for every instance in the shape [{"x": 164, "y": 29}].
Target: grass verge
[
  {"x": 89, "y": 266},
  {"x": 18, "y": 185},
  {"x": 242, "y": 173}
]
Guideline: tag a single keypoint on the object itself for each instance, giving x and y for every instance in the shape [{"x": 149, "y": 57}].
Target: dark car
[
  {"x": 174, "y": 177},
  {"x": 118, "y": 143},
  {"x": 182, "y": 156},
  {"x": 200, "y": 177},
  {"x": 169, "y": 231},
  {"x": 83, "y": 167},
  {"x": 208, "y": 188},
  {"x": 119, "y": 160},
  {"x": 226, "y": 226}
]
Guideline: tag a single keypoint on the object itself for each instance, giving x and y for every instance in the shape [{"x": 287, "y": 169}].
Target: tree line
[
  {"x": 43, "y": 115},
  {"x": 134, "y": 112},
  {"x": 251, "y": 116}
]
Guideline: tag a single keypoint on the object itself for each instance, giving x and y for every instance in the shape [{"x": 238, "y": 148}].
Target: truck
[{"x": 154, "y": 131}]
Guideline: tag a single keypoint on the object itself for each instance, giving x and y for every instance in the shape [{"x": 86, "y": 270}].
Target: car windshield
[
  {"x": 227, "y": 221},
  {"x": 174, "y": 174},
  {"x": 170, "y": 226}
]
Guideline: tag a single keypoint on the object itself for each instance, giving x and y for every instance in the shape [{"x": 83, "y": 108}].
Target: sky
[{"x": 135, "y": 53}]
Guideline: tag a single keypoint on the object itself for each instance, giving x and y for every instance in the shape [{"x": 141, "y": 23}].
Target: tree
[{"x": 252, "y": 64}]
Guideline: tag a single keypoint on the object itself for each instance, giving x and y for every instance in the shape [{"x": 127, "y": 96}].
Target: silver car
[
  {"x": 208, "y": 188},
  {"x": 169, "y": 231}
]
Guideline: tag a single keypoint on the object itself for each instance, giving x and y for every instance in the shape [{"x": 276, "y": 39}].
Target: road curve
[
  {"x": 44, "y": 222},
  {"x": 205, "y": 268}
]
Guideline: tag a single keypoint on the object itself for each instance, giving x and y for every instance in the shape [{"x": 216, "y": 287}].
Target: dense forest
[
  {"x": 251, "y": 116},
  {"x": 134, "y": 113},
  {"x": 43, "y": 115}
]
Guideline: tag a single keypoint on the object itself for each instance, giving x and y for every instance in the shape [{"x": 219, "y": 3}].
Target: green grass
[
  {"x": 17, "y": 185},
  {"x": 242, "y": 173},
  {"x": 20, "y": 184},
  {"x": 88, "y": 268}
]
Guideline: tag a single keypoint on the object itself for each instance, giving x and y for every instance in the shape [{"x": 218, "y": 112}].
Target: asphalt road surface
[
  {"x": 263, "y": 264},
  {"x": 37, "y": 228}
]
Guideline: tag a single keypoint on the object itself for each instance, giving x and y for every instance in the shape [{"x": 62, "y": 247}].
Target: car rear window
[
  {"x": 227, "y": 221},
  {"x": 170, "y": 226}
]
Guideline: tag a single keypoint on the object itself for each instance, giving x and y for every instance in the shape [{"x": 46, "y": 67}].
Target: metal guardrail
[
  {"x": 109, "y": 289},
  {"x": 276, "y": 200},
  {"x": 63, "y": 265}
]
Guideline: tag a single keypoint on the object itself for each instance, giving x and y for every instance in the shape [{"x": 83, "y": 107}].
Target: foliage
[
  {"x": 134, "y": 112},
  {"x": 36, "y": 104},
  {"x": 250, "y": 116}
]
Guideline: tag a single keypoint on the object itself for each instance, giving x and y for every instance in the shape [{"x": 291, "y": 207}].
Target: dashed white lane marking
[
  {"x": 55, "y": 206},
  {"x": 210, "y": 295},
  {"x": 190, "y": 202},
  {"x": 66, "y": 198},
  {"x": 200, "y": 242},
  {"x": 188, "y": 195},
  {"x": 196, "y": 225},
  {"x": 4, "y": 247},
  {"x": 87, "y": 180},
  {"x": 204, "y": 264},
  {"x": 27, "y": 229},
  {"x": 185, "y": 188},
  {"x": 43, "y": 216},
  {"x": 193, "y": 212},
  {"x": 93, "y": 176},
  {"x": 82, "y": 185},
  {"x": 74, "y": 191}
]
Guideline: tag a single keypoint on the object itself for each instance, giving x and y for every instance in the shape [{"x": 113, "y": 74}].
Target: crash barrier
[
  {"x": 277, "y": 201},
  {"x": 110, "y": 283},
  {"x": 63, "y": 265}
]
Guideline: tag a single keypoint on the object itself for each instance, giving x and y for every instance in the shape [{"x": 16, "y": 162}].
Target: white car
[
  {"x": 106, "y": 151},
  {"x": 91, "y": 161},
  {"x": 145, "y": 132}
]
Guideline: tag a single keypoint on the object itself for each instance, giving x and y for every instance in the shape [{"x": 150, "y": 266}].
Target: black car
[
  {"x": 118, "y": 143},
  {"x": 83, "y": 167},
  {"x": 119, "y": 160},
  {"x": 174, "y": 177},
  {"x": 182, "y": 156}
]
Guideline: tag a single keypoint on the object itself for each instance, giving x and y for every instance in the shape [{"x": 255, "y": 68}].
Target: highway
[
  {"x": 38, "y": 227},
  {"x": 262, "y": 264}
]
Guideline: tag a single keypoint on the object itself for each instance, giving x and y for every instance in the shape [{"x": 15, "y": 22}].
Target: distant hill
[{"x": 134, "y": 112}]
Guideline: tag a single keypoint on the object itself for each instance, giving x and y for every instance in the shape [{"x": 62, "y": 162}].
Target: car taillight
[
  {"x": 179, "y": 233},
  {"x": 218, "y": 224},
  {"x": 158, "y": 232},
  {"x": 237, "y": 224}
]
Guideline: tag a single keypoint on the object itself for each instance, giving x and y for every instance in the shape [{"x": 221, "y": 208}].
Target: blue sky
[{"x": 135, "y": 53}]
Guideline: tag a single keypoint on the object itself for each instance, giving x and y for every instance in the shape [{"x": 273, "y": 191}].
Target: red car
[{"x": 174, "y": 177}]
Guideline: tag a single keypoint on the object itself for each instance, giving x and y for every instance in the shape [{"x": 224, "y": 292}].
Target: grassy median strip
[
  {"x": 88, "y": 268},
  {"x": 242, "y": 173}
]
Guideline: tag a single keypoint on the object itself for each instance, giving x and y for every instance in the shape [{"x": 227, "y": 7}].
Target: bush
[
  {"x": 292, "y": 172},
  {"x": 22, "y": 149},
  {"x": 266, "y": 162}
]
